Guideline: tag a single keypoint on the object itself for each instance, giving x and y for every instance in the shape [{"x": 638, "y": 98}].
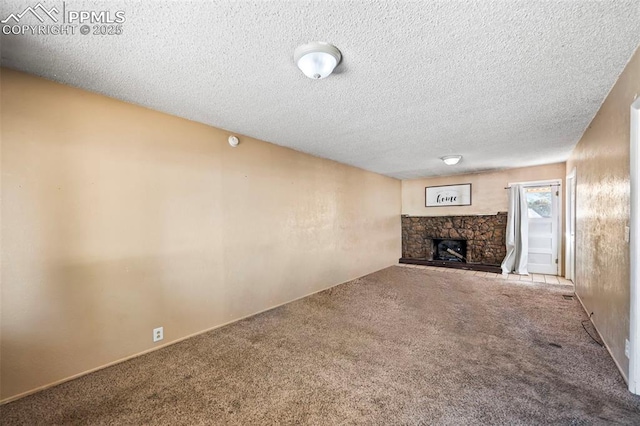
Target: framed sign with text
[{"x": 448, "y": 195}]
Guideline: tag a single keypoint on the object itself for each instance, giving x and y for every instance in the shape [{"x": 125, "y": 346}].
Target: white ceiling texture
[{"x": 503, "y": 83}]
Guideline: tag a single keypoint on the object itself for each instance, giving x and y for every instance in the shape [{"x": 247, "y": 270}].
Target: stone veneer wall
[{"x": 484, "y": 235}]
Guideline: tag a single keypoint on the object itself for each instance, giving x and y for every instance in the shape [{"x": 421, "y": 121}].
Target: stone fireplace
[{"x": 483, "y": 238}]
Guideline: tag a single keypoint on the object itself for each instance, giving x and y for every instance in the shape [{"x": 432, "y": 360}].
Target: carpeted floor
[{"x": 401, "y": 346}]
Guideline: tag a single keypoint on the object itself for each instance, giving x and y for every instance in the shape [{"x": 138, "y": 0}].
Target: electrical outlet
[
  {"x": 158, "y": 334},
  {"x": 626, "y": 347},
  {"x": 627, "y": 234}
]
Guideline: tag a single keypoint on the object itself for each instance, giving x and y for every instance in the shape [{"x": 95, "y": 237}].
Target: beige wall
[
  {"x": 488, "y": 193},
  {"x": 601, "y": 159},
  {"x": 117, "y": 219}
]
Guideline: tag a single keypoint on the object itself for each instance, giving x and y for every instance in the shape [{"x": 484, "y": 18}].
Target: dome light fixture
[
  {"x": 451, "y": 160},
  {"x": 317, "y": 59}
]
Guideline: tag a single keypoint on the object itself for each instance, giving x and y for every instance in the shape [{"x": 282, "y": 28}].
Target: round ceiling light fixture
[
  {"x": 317, "y": 59},
  {"x": 451, "y": 160}
]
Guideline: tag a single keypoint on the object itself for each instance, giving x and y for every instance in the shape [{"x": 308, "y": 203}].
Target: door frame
[
  {"x": 559, "y": 240},
  {"x": 570, "y": 226},
  {"x": 634, "y": 241}
]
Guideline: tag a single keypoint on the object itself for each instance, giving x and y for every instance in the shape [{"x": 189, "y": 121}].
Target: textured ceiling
[{"x": 504, "y": 83}]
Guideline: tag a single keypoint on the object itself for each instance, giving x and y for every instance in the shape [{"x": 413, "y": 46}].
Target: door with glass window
[{"x": 542, "y": 201}]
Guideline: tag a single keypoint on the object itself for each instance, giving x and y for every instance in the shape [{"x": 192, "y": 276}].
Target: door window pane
[{"x": 539, "y": 201}]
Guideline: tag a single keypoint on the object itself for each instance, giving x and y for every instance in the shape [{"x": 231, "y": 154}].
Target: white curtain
[{"x": 517, "y": 237}]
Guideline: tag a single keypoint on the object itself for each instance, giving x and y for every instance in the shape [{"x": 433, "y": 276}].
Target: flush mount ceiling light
[
  {"x": 317, "y": 59},
  {"x": 451, "y": 160}
]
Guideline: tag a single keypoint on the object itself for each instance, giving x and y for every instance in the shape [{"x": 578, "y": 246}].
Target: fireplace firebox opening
[{"x": 450, "y": 250}]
